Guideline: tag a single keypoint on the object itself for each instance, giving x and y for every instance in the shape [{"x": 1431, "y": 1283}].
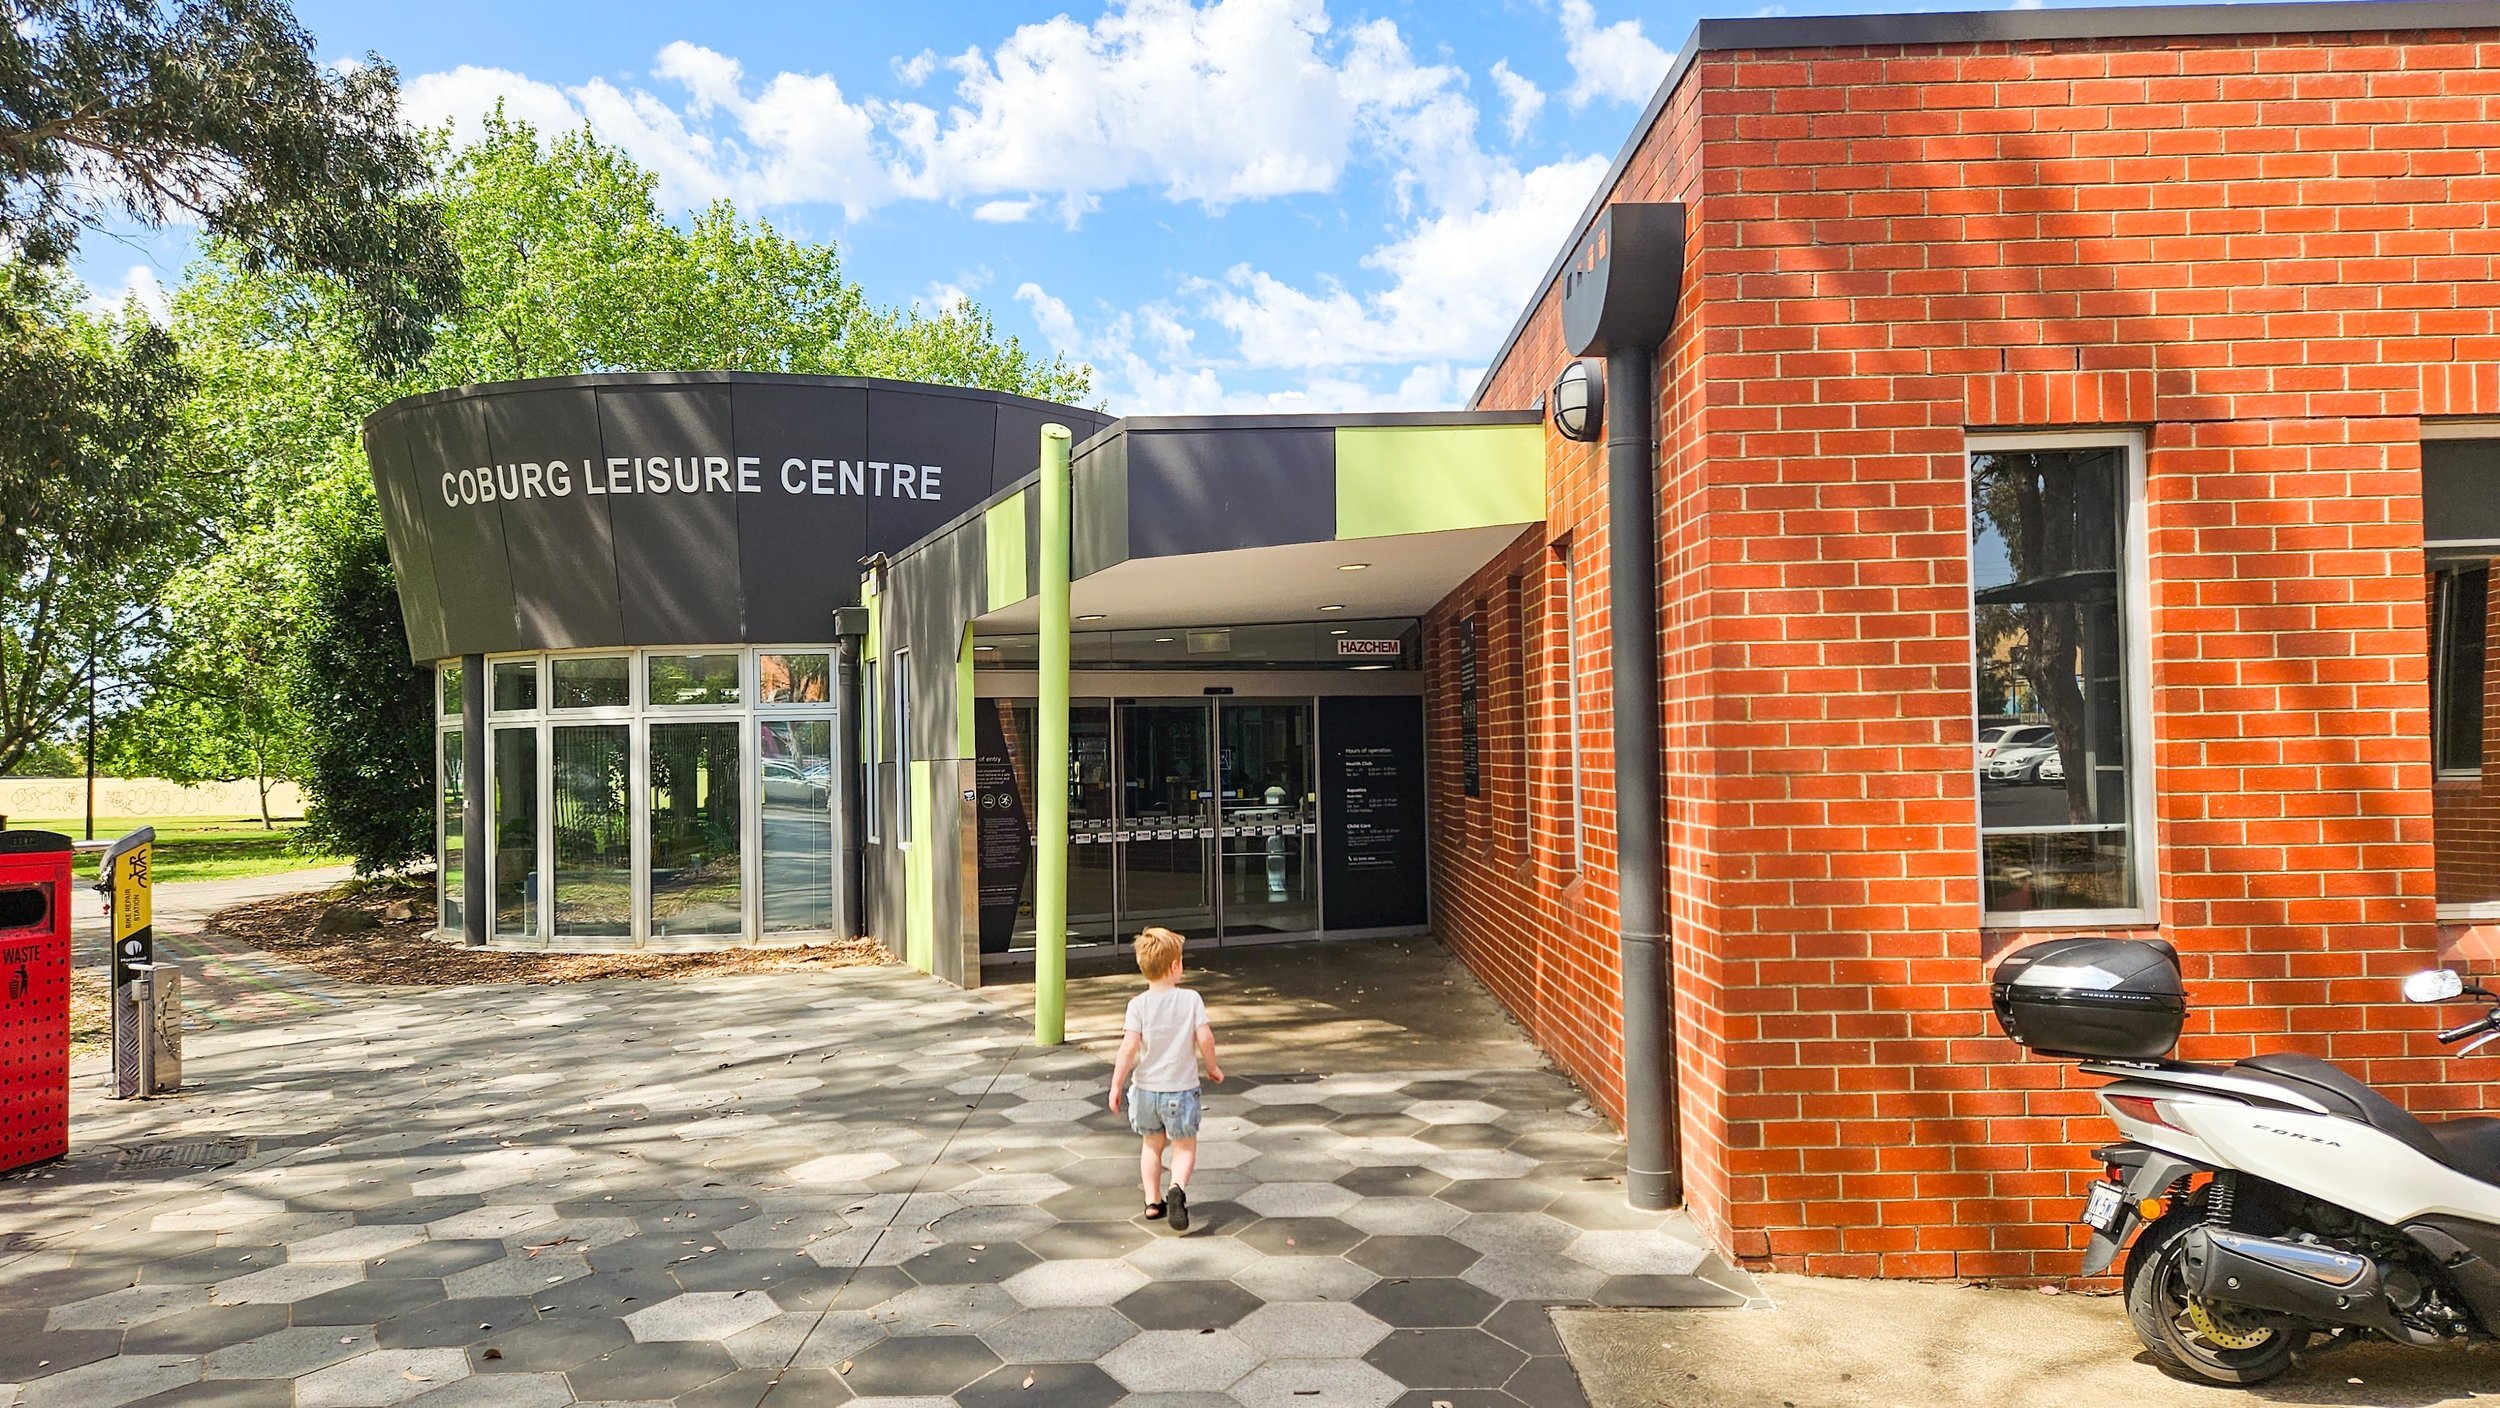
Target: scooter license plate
[{"x": 2100, "y": 1209}]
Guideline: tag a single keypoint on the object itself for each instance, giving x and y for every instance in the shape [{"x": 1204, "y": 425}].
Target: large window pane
[
  {"x": 796, "y": 759},
  {"x": 2048, "y": 573},
  {"x": 794, "y": 679},
  {"x": 448, "y": 676},
  {"x": 452, "y": 865},
  {"x": 695, "y": 885},
  {"x": 515, "y": 812},
  {"x": 902, "y": 747},
  {"x": 693, "y": 679},
  {"x": 590, "y": 682},
  {"x": 2461, "y": 529},
  {"x": 516, "y": 686},
  {"x": 594, "y": 845}
]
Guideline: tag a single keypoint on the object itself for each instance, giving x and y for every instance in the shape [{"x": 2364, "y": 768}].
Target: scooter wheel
[{"x": 2199, "y": 1341}]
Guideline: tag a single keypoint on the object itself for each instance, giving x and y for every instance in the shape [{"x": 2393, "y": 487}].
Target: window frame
[
  {"x": 2469, "y": 911},
  {"x": 901, "y": 679},
  {"x": 1574, "y": 858},
  {"x": 2135, "y": 617}
]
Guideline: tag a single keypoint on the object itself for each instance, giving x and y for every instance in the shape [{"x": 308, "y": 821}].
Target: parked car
[
  {"x": 2018, "y": 762},
  {"x": 2052, "y": 768},
  {"x": 789, "y": 784},
  {"x": 1994, "y": 740}
]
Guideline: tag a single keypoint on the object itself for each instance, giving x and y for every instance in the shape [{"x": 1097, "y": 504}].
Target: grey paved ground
[
  {"x": 799, "y": 1190},
  {"x": 182, "y": 907},
  {"x": 1877, "y": 1344}
]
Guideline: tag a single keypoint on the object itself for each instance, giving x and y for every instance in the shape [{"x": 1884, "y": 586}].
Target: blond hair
[{"x": 1158, "y": 953}]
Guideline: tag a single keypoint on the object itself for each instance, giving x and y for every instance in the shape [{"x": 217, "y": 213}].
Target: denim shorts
[{"x": 1172, "y": 1112}]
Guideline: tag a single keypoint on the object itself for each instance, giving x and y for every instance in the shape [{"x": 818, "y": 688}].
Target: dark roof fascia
[
  {"x": 594, "y": 380},
  {"x": 1983, "y": 26},
  {"x": 1313, "y": 421}
]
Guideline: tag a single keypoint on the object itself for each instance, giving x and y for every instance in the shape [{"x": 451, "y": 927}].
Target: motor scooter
[{"x": 2284, "y": 1207}]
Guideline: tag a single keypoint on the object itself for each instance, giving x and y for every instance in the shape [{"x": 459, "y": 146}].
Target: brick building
[
  {"x": 2249, "y": 254},
  {"x": 2069, "y": 443}
]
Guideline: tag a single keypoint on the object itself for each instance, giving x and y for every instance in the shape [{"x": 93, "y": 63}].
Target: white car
[
  {"x": 2019, "y": 762},
  {"x": 2013, "y": 736}
]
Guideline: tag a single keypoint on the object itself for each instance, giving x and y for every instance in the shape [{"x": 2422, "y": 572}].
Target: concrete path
[
  {"x": 782, "y": 1189},
  {"x": 1867, "y": 1344},
  {"x": 184, "y": 907}
]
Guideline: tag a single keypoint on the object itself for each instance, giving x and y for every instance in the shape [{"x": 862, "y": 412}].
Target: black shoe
[
  {"x": 1154, "y": 1212},
  {"x": 1178, "y": 1202}
]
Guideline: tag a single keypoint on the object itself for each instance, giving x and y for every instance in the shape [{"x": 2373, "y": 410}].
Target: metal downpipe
[
  {"x": 1650, "y": 1174},
  {"x": 846, "y": 816}
]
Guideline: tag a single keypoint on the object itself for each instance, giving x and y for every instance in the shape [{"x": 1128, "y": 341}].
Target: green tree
[{"x": 568, "y": 264}]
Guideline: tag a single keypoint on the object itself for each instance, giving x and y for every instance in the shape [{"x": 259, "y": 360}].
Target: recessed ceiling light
[
  {"x": 979, "y": 648},
  {"x": 1352, "y": 566},
  {"x": 1371, "y": 667},
  {"x": 1340, "y": 606},
  {"x": 1341, "y": 630},
  {"x": 1165, "y": 640},
  {"x": 1095, "y": 617}
]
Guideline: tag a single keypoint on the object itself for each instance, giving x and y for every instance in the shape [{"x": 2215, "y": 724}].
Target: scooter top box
[{"x": 2092, "y": 999}]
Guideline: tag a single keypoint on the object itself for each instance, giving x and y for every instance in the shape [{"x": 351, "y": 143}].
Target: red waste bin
[{"x": 34, "y": 997}]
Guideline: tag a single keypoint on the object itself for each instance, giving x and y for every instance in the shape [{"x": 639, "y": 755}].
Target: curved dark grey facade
[{"x": 674, "y": 508}]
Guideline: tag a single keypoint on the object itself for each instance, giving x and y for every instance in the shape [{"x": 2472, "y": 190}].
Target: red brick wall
[{"x": 2275, "y": 256}]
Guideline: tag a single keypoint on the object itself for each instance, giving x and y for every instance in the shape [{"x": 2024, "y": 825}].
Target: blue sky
[{"x": 1221, "y": 204}]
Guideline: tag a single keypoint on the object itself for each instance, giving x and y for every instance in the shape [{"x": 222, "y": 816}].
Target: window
[
  {"x": 871, "y": 812},
  {"x": 1515, "y": 702},
  {"x": 2057, "y": 661},
  {"x": 902, "y": 748},
  {"x": 513, "y": 812},
  {"x": 590, "y": 682},
  {"x": 795, "y": 764},
  {"x": 516, "y": 686},
  {"x": 1568, "y": 587},
  {"x": 449, "y": 676},
  {"x": 693, "y": 679},
  {"x": 2461, "y": 540},
  {"x": 793, "y": 678},
  {"x": 452, "y": 853}
]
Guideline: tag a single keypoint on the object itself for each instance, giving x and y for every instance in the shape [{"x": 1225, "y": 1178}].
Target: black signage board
[
  {"x": 1469, "y": 755},
  {"x": 1371, "y": 777},
  {"x": 1002, "y": 837}
]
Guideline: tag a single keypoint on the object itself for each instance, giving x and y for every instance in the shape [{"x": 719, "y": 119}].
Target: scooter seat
[
  {"x": 2330, "y": 1086},
  {"x": 2470, "y": 1145}
]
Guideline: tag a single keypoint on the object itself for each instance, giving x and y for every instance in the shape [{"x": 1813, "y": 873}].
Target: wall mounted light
[
  {"x": 1340, "y": 606},
  {"x": 1579, "y": 402},
  {"x": 1352, "y": 566},
  {"x": 1095, "y": 617}
]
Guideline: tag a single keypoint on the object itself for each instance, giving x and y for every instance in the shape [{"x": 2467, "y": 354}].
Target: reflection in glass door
[
  {"x": 594, "y": 845},
  {"x": 1269, "y": 826},
  {"x": 1166, "y": 817}
]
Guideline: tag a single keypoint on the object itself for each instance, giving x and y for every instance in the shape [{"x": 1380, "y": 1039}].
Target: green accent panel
[
  {"x": 869, "y": 646},
  {"x": 919, "y": 883},
  {"x": 1002, "y": 530},
  {"x": 1432, "y": 478}
]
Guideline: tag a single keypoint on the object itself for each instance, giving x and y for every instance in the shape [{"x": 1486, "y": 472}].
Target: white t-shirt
[{"x": 1169, "y": 1019}]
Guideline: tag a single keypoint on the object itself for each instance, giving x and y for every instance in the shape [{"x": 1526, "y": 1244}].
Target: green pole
[{"x": 1050, "y": 770}]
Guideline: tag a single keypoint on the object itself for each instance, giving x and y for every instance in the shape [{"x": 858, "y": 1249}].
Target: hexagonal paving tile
[
  {"x": 1074, "y": 1283},
  {"x": 701, "y": 1315},
  {"x": 285, "y": 1354},
  {"x": 844, "y": 1168},
  {"x": 1298, "y": 1200},
  {"x": 1310, "y": 1330},
  {"x": 1403, "y": 1216},
  {"x": 1635, "y": 1253},
  {"x": 956, "y": 1263},
  {"x": 1283, "y": 1278},
  {"x": 1449, "y": 1358},
  {"x": 1480, "y": 1163},
  {"x": 1193, "y": 1258},
  {"x": 551, "y": 1345},
  {"x": 928, "y": 1366},
  {"x": 132, "y": 1305},
  {"x": 1188, "y": 1305},
  {"x": 1167, "y": 1361},
  {"x": 1073, "y": 1334},
  {"x": 1088, "y": 1241},
  {"x": 1454, "y": 1112},
  {"x": 1316, "y": 1383},
  {"x": 1043, "y": 1386},
  {"x": 108, "y": 1382},
  {"x": 380, "y": 1377},
  {"x": 1535, "y": 1276},
  {"x": 282, "y": 1285},
  {"x": 1438, "y": 1301},
  {"x": 1301, "y": 1236},
  {"x": 994, "y": 1225},
  {"x": 943, "y": 1310},
  {"x": 642, "y": 1372},
  {"x": 1415, "y": 1256}
]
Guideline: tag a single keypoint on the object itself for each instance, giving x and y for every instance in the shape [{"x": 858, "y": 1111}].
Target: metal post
[
  {"x": 850, "y": 626},
  {"x": 1050, "y": 754},
  {"x": 91, "y": 653},
  {"x": 1650, "y": 1175},
  {"x": 143, "y": 998}
]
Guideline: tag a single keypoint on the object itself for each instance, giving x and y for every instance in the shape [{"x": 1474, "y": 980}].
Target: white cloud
[
  {"x": 1004, "y": 212},
  {"x": 1616, "y": 62},
  {"x": 794, "y": 140},
  {"x": 915, "y": 70},
  {"x": 1454, "y": 282},
  {"x": 1522, "y": 100},
  {"x": 138, "y": 282}
]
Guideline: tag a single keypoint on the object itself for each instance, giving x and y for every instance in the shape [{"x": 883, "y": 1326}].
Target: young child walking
[{"x": 1168, "y": 1035}]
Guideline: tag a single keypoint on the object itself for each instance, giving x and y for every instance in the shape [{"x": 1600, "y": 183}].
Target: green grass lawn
[{"x": 193, "y": 847}]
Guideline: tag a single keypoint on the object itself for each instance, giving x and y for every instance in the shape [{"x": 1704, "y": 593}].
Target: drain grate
[{"x": 192, "y": 1153}]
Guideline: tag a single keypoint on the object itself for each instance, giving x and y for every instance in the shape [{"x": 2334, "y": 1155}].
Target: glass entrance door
[
  {"x": 1166, "y": 832},
  {"x": 1267, "y": 831}
]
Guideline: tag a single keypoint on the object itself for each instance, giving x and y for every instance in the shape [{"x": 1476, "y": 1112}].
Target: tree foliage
[{"x": 568, "y": 265}]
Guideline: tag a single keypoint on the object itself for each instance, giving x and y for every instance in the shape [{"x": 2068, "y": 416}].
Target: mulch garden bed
[{"x": 384, "y": 934}]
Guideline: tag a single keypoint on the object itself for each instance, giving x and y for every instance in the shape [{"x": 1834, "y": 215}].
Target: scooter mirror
[{"x": 2435, "y": 985}]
